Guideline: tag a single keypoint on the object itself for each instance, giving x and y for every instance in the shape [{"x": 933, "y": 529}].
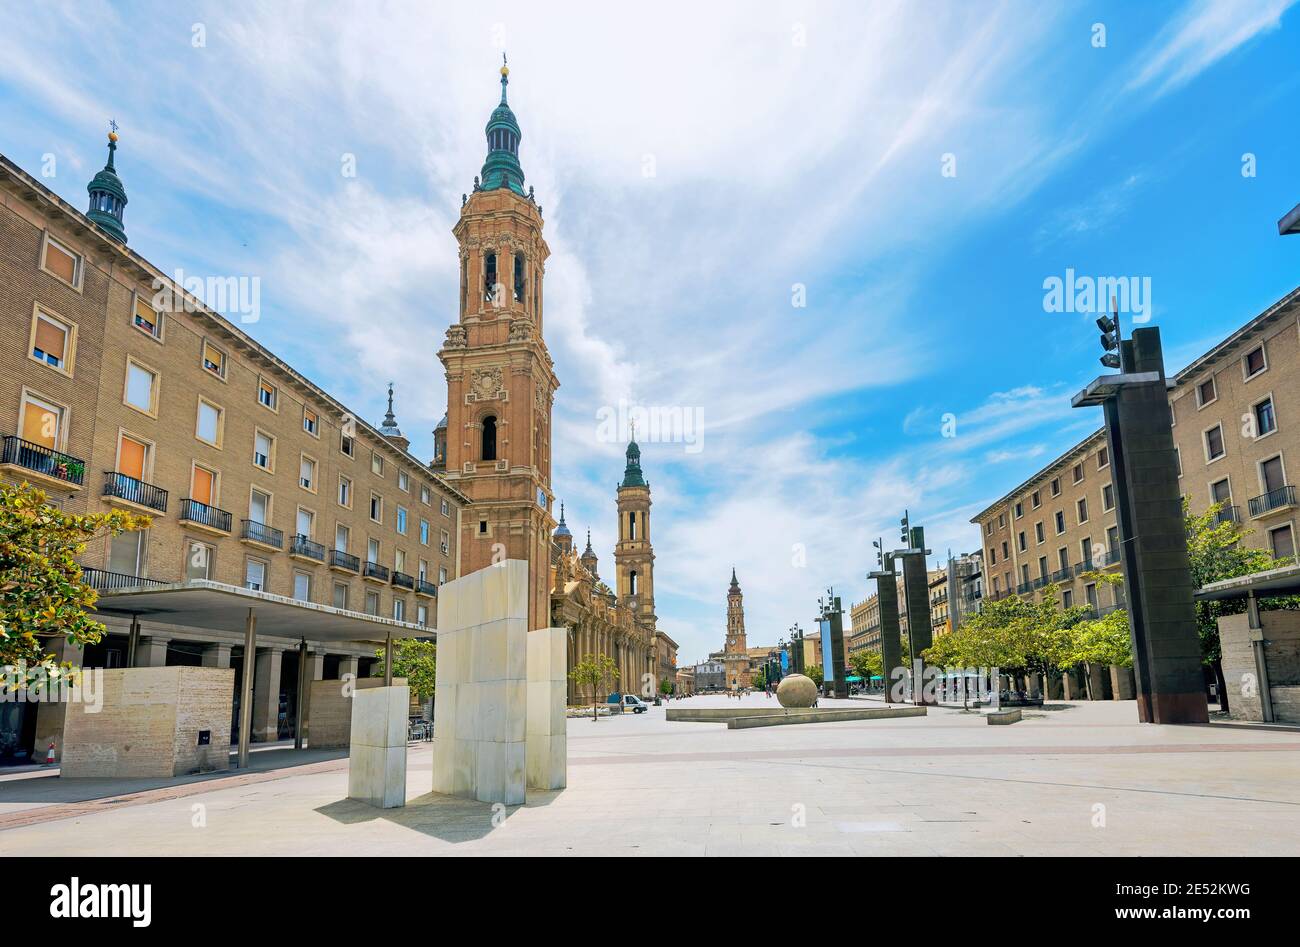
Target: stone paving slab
[{"x": 1087, "y": 781}]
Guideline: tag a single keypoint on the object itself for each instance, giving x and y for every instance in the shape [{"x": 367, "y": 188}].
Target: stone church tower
[
  {"x": 634, "y": 556},
  {"x": 735, "y": 655},
  {"x": 500, "y": 379}
]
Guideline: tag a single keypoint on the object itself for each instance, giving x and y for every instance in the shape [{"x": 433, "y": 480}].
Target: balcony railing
[
  {"x": 1273, "y": 500},
  {"x": 134, "y": 491},
  {"x": 300, "y": 545},
  {"x": 375, "y": 571},
  {"x": 1082, "y": 567},
  {"x": 342, "y": 560},
  {"x": 193, "y": 511},
  {"x": 257, "y": 532},
  {"x": 403, "y": 581},
  {"x": 1228, "y": 514},
  {"x": 425, "y": 588},
  {"x": 104, "y": 581},
  {"x": 1024, "y": 587},
  {"x": 1060, "y": 575},
  {"x": 42, "y": 460},
  {"x": 1111, "y": 557}
]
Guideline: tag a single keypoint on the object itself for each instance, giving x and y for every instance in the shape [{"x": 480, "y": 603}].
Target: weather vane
[{"x": 112, "y": 125}]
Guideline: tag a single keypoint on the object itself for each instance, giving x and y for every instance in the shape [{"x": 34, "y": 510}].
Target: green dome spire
[
  {"x": 107, "y": 196},
  {"x": 632, "y": 476},
  {"x": 502, "y": 168}
]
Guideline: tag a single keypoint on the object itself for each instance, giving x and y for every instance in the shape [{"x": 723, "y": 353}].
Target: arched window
[
  {"x": 520, "y": 283},
  {"x": 489, "y": 438},
  {"x": 489, "y": 277},
  {"x": 464, "y": 285},
  {"x": 631, "y": 526},
  {"x": 631, "y": 582}
]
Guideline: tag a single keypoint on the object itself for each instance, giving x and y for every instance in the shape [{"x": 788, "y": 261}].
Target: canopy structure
[
  {"x": 202, "y": 603},
  {"x": 1274, "y": 582}
]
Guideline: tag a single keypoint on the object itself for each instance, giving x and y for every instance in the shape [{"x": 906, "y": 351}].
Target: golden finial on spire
[
  {"x": 112, "y": 130},
  {"x": 505, "y": 69}
]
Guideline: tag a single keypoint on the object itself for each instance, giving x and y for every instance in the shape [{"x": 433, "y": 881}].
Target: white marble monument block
[
  {"x": 481, "y": 696},
  {"x": 377, "y": 759},
  {"x": 547, "y": 723}
]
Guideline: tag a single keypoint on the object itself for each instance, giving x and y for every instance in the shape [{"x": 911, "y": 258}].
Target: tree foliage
[
  {"x": 866, "y": 663},
  {"x": 814, "y": 672},
  {"x": 42, "y": 594},
  {"x": 597, "y": 673},
  {"x": 415, "y": 659}
]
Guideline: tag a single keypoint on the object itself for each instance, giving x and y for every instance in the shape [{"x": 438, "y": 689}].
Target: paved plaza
[{"x": 1073, "y": 779}]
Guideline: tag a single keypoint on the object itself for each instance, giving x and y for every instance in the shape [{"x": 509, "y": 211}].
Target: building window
[
  {"x": 133, "y": 457},
  {"x": 41, "y": 422},
  {"x": 1056, "y": 486},
  {"x": 1038, "y": 532},
  {"x": 1035, "y": 500},
  {"x": 372, "y": 603},
  {"x": 61, "y": 262},
  {"x": 341, "y": 536},
  {"x": 425, "y": 496},
  {"x": 520, "y": 282},
  {"x": 200, "y": 561},
  {"x": 988, "y": 528},
  {"x": 1271, "y": 474},
  {"x": 1002, "y": 521},
  {"x": 442, "y": 575},
  {"x": 1282, "y": 542},
  {"x": 1067, "y": 598},
  {"x": 214, "y": 360},
  {"x": 444, "y": 542},
  {"x": 1020, "y": 509},
  {"x": 345, "y": 492},
  {"x": 141, "y": 388},
  {"x": 144, "y": 318},
  {"x": 1214, "y": 448},
  {"x": 1265, "y": 419},
  {"x": 1059, "y": 518},
  {"x": 264, "y": 451},
  {"x": 347, "y": 445},
  {"x": 489, "y": 440},
  {"x": 399, "y": 560},
  {"x": 422, "y": 615},
  {"x": 267, "y": 395},
  {"x": 424, "y": 532},
  {"x": 340, "y": 595},
  {"x": 1083, "y": 510},
  {"x": 52, "y": 341},
  {"x": 1103, "y": 458},
  {"x": 376, "y": 508},
  {"x": 306, "y": 523},
  {"x": 1020, "y": 541},
  {"x": 208, "y": 427},
  {"x": 255, "y": 575},
  {"x": 203, "y": 485},
  {"x": 259, "y": 507},
  {"x": 310, "y": 422},
  {"x": 1108, "y": 497},
  {"x": 1254, "y": 362},
  {"x": 302, "y": 586},
  {"x": 372, "y": 550},
  {"x": 127, "y": 553},
  {"x": 403, "y": 481},
  {"x": 490, "y": 277},
  {"x": 1221, "y": 492},
  {"x": 1078, "y": 473},
  {"x": 401, "y": 519},
  {"x": 376, "y": 464},
  {"x": 307, "y": 473},
  {"x": 1206, "y": 392}
]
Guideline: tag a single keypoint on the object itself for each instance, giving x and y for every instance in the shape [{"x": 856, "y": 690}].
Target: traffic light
[{"x": 1109, "y": 340}]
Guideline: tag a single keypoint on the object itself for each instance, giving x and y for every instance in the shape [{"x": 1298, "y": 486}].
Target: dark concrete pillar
[
  {"x": 916, "y": 595},
  {"x": 891, "y": 647}
]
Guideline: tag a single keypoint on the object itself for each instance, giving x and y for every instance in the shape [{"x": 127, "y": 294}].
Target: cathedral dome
[
  {"x": 502, "y": 168},
  {"x": 108, "y": 196}
]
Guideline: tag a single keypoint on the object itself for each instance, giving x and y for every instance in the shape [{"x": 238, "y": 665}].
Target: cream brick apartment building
[
  {"x": 1236, "y": 417},
  {"x": 254, "y": 475}
]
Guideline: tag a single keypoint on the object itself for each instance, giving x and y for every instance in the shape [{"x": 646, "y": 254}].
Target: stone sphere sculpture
[{"x": 796, "y": 690}]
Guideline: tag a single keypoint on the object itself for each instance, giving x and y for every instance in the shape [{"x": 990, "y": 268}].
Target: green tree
[
  {"x": 866, "y": 663},
  {"x": 758, "y": 679},
  {"x": 597, "y": 673},
  {"x": 814, "y": 671},
  {"x": 665, "y": 686},
  {"x": 415, "y": 659},
  {"x": 42, "y": 594}
]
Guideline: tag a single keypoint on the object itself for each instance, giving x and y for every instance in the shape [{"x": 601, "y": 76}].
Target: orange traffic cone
[{"x": 49, "y": 755}]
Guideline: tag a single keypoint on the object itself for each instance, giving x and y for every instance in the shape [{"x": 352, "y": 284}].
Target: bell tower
[
  {"x": 634, "y": 556},
  {"x": 500, "y": 379}
]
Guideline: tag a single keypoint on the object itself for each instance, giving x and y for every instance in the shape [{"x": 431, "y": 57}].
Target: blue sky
[{"x": 695, "y": 163}]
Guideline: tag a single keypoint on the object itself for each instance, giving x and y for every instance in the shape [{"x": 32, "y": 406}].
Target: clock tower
[{"x": 500, "y": 379}]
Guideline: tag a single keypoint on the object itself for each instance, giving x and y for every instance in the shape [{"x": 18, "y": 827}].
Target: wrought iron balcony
[
  {"x": 1060, "y": 575},
  {"x": 425, "y": 588},
  {"x": 256, "y": 532},
  {"x": 1283, "y": 496},
  {"x": 403, "y": 581},
  {"x": 342, "y": 560},
  {"x": 122, "y": 487},
  {"x": 104, "y": 581},
  {"x": 1024, "y": 587},
  {"x": 300, "y": 545},
  {"x": 200, "y": 514},
  {"x": 43, "y": 460},
  {"x": 1111, "y": 557},
  {"x": 1085, "y": 566},
  {"x": 374, "y": 570},
  {"x": 1228, "y": 514}
]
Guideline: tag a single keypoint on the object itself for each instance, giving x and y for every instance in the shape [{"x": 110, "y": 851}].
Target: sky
[{"x": 820, "y": 234}]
